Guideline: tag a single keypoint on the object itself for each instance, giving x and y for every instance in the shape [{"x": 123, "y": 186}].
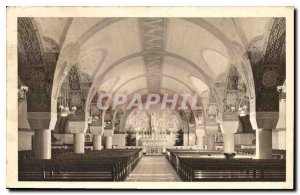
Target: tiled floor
[{"x": 153, "y": 168}]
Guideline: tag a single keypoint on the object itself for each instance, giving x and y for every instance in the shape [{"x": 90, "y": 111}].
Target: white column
[
  {"x": 185, "y": 139},
  {"x": 200, "y": 144},
  {"x": 137, "y": 138},
  {"x": 210, "y": 139},
  {"x": 281, "y": 127},
  {"x": 108, "y": 144},
  {"x": 33, "y": 147},
  {"x": 264, "y": 144},
  {"x": 282, "y": 140},
  {"x": 228, "y": 129},
  {"x": 97, "y": 142},
  {"x": 42, "y": 144},
  {"x": 275, "y": 140},
  {"x": 228, "y": 140},
  {"x": 210, "y": 132},
  {"x": 78, "y": 142}
]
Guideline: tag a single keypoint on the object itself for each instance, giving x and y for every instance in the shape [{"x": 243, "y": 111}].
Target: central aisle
[{"x": 153, "y": 168}]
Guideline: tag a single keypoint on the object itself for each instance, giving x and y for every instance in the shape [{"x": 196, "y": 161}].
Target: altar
[
  {"x": 151, "y": 127},
  {"x": 154, "y": 146}
]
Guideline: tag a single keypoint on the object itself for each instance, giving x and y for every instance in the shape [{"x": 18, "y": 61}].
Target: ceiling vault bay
[
  {"x": 153, "y": 31},
  {"x": 177, "y": 47}
]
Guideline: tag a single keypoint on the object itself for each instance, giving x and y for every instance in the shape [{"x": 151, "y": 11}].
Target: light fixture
[
  {"x": 282, "y": 92},
  {"x": 90, "y": 120},
  {"x": 243, "y": 110},
  {"x": 232, "y": 109},
  {"x": 64, "y": 112},
  {"x": 280, "y": 89},
  {"x": 22, "y": 93}
]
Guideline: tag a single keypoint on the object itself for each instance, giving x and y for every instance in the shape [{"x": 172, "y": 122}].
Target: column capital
[
  {"x": 96, "y": 130},
  {"x": 108, "y": 132},
  {"x": 229, "y": 127},
  {"x": 264, "y": 120},
  {"x": 41, "y": 120},
  {"x": 211, "y": 129},
  {"x": 77, "y": 126},
  {"x": 230, "y": 116}
]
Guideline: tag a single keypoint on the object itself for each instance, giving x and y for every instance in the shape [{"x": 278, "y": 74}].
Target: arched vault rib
[
  {"x": 201, "y": 74},
  {"x": 96, "y": 28},
  {"x": 163, "y": 76},
  {"x": 62, "y": 66},
  {"x": 141, "y": 89},
  {"x": 237, "y": 57},
  {"x": 200, "y": 22}
]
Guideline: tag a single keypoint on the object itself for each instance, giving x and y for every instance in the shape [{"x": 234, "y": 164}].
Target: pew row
[
  {"x": 105, "y": 165},
  {"x": 201, "y": 168}
]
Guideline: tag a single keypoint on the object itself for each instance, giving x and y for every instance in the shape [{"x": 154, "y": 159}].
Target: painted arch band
[{"x": 182, "y": 101}]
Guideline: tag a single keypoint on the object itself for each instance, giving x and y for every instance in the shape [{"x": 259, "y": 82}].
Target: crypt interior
[{"x": 236, "y": 66}]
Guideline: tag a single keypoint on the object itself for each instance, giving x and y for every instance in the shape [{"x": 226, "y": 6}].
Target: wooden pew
[
  {"x": 105, "y": 165},
  {"x": 231, "y": 170},
  {"x": 192, "y": 166}
]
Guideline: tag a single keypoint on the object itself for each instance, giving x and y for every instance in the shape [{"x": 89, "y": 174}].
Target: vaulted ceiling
[{"x": 151, "y": 55}]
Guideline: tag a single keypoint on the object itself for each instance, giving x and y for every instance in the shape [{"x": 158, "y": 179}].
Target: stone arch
[
  {"x": 233, "y": 51},
  {"x": 69, "y": 53},
  {"x": 264, "y": 109},
  {"x": 36, "y": 69},
  {"x": 103, "y": 24},
  {"x": 99, "y": 78},
  {"x": 163, "y": 76},
  {"x": 266, "y": 71}
]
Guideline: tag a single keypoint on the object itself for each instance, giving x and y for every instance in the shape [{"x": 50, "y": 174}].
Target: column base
[
  {"x": 228, "y": 140},
  {"x": 229, "y": 155}
]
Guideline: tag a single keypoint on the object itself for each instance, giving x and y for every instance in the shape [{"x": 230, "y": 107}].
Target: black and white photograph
[{"x": 150, "y": 98}]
